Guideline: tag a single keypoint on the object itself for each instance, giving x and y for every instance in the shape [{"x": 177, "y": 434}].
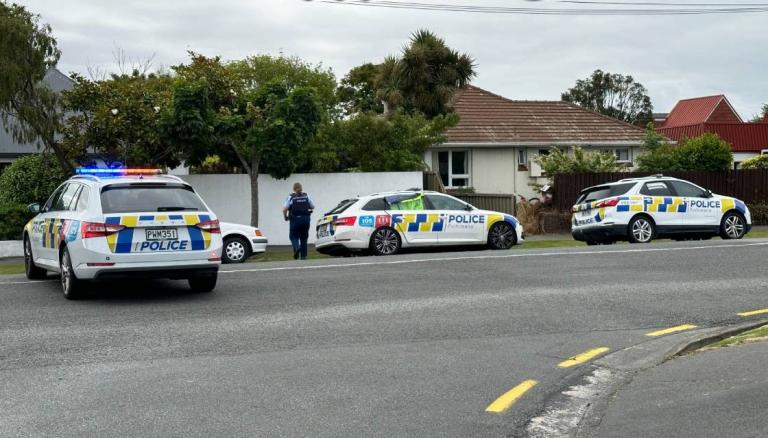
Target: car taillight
[
  {"x": 210, "y": 226},
  {"x": 608, "y": 203},
  {"x": 258, "y": 232},
  {"x": 97, "y": 229},
  {"x": 345, "y": 221}
]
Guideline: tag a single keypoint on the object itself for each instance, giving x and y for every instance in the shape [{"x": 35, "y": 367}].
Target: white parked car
[
  {"x": 641, "y": 209},
  {"x": 108, "y": 223},
  {"x": 383, "y": 223},
  {"x": 241, "y": 242}
]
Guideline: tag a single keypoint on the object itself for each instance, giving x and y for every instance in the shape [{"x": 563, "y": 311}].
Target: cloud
[{"x": 521, "y": 57}]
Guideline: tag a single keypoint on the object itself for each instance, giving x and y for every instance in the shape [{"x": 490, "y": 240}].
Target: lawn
[{"x": 8, "y": 269}]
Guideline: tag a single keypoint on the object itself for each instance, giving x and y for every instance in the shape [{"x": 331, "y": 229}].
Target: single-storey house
[
  {"x": 715, "y": 114},
  {"x": 11, "y": 149},
  {"x": 492, "y": 149}
]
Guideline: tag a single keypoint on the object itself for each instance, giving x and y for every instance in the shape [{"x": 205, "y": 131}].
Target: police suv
[
  {"x": 385, "y": 222},
  {"x": 641, "y": 209},
  {"x": 115, "y": 223}
]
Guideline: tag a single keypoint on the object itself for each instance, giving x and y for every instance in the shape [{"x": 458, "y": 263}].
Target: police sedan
[
  {"x": 115, "y": 223},
  {"x": 383, "y": 223},
  {"x": 240, "y": 242},
  {"x": 642, "y": 209}
]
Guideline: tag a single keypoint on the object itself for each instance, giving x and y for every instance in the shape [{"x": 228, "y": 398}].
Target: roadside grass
[
  {"x": 762, "y": 234},
  {"x": 754, "y": 335},
  {"x": 284, "y": 253},
  {"x": 12, "y": 269}
]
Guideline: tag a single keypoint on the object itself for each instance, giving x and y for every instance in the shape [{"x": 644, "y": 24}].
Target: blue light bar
[{"x": 116, "y": 172}]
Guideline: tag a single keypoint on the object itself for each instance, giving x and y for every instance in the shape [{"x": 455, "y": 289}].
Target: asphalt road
[{"x": 411, "y": 345}]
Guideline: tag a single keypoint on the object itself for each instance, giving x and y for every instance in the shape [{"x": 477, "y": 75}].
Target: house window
[
  {"x": 622, "y": 155},
  {"x": 453, "y": 167},
  {"x": 522, "y": 159}
]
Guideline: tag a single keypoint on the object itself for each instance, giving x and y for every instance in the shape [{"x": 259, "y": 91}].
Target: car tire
[
  {"x": 71, "y": 286},
  {"x": 385, "y": 241},
  {"x": 33, "y": 271},
  {"x": 641, "y": 229},
  {"x": 203, "y": 284},
  {"x": 733, "y": 226},
  {"x": 236, "y": 250},
  {"x": 502, "y": 236}
]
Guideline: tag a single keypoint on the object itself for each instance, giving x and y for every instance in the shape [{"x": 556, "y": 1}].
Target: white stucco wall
[
  {"x": 493, "y": 170},
  {"x": 229, "y": 195}
]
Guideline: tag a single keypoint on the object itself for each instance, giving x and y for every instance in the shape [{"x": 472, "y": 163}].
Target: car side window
[
  {"x": 406, "y": 202},
  {"x": 53, "y": 199},
  {"x": 376, "y": 204},
  {"x": 656, "y": 188},
  {"x": 439, "y": 202},
  {"x": 62, "y": 202},
  {"x": 688, "y": 190},
  {"x": 82, "y": 200}
]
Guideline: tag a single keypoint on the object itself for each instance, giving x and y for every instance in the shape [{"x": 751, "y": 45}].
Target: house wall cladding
[{"x": 751, "y": 186}]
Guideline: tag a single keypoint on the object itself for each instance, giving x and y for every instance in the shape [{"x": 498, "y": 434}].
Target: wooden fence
[
  {"x": 500, "y": 203},
  {"x": 751, "y": 186},
  {"x": 432, "y": 182}
]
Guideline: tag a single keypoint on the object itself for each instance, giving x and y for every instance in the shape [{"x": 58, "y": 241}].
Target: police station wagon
[
  {"x": 383, "y": 223},
  {"x": 641, "y": 209},
  {"x": 115, "y": 223}
]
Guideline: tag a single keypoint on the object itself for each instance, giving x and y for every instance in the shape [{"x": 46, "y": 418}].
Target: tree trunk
[{"x": 254, "y": 175}]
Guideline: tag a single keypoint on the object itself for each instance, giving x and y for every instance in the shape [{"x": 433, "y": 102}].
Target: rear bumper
[
  {"x": 151, "y": 273},
  {"x": 600, "y": 233}
]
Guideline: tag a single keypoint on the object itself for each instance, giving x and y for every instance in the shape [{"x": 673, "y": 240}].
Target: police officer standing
[{"x": 297, "y": 209}]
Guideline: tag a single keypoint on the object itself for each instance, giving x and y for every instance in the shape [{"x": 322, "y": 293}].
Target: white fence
[{"x": 229, "y": 195}]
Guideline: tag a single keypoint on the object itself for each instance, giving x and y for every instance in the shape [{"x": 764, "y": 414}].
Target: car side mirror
[
  {"x": 709, "y": 193},
  {"x": 34, "y": 208},
  {"x": 468, "y": 207}
]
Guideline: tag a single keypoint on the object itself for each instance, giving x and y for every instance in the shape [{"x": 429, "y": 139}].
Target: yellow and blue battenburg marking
[
  {"x": 493, "y": 218},
  {"x": 122, "y": 241},
  {"x": 51, "y": 229},
  {"x": 420, "y": 222}
]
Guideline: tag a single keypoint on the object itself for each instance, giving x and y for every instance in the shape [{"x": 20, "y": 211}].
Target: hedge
[
  {"x": 14, "y": 217},
  {"x": 759, "y": 214}
]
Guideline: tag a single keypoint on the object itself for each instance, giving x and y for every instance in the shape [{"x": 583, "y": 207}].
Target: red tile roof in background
[
  {"x": 743, "y": 137},
  {"x": 490, "y": 118},
  {"x": 701, "y": 110}
]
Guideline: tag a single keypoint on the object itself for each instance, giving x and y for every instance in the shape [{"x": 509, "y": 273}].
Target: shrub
[
  {"x": 758, "y": 162},
  {"x": 706, "y": 152},
  {"x": 30, "y": 179},
  {"x": 14, "y": 217},
  {"x": 759, "y": 214},
  {"x": 579, "y": 160}
]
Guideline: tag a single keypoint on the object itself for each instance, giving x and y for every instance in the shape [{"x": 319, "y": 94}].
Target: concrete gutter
[
  {"x": 11, "y": 248},
  {"x": 578, "y": 411}
]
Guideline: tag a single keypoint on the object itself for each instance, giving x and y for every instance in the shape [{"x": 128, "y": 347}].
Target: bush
[
  {"x": 758, "y": 162},
  {"x": 15, "y": 216},
  {"x": 707, "y": 152},
  {"x": 578, "y": 161},
  {"x": 759, "y": 214},
  {"x": 30, "y": 179}
]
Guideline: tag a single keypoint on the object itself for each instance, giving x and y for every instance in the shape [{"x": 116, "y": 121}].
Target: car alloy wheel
[
  {"x": 734, "y": 226},
  {"x": 386, "y": 241},
  {"x": 235, "y": 251},
  {"x": 501, "y": 236},
  {"x": 66, "y": 273},
  {"x": 642, "y": 230}
]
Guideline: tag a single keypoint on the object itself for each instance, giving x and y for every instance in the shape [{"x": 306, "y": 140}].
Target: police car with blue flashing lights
[
  {"x": 641, "y": 209},
  {"x": 241, "y": 242},
  {"x": 116, "y": 223},
  {"x": 383, "y": 223}
]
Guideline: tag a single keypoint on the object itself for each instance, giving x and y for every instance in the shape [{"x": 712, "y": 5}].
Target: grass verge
[
  {"x": 754, "y": 335},
  {"x": 11, "y": 269}
]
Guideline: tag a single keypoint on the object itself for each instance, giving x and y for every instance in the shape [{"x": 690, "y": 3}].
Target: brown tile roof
[{"x": 490, "y": 118}]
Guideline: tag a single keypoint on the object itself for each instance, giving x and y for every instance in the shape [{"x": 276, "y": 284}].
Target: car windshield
[
  {"x": 343, "y": 205},
  {"x": 602, "y": 192},
  {"x": 144, "y": 197}
]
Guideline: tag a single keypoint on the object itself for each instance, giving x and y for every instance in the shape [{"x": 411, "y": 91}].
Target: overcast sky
[{"x": 520, "y": 57}]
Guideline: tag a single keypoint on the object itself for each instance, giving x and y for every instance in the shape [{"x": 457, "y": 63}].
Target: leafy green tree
[
  {"x": 757, "y": 162},
  {"x": 357, "y": 90},
  {"x": 30, "y": 179},
  {"x": 705, "y": 152},
  {"x": 425, "y": 77},
  {"x": 27, "y": 106},
  {"x": 577, "y": 161},
  {"x": 762, "y": 117},
  {"x": 614, "y": 95},
  {"x": 657, "y": 155},
  {"x": 119, "y": 118},
  {"x": 265, "y": 119}
]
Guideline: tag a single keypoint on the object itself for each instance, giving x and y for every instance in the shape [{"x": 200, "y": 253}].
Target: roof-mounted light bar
[{"x": 101, "y": 172}]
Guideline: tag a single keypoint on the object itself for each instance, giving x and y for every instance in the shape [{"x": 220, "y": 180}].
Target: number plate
[
  {"x": 162, "y": 234},
  {"x": 323, "y": 232}
]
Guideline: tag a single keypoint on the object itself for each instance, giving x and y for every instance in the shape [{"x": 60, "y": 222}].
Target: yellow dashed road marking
[
  {"x": 582, "y": 357},
  {"x": 753, "y": 312},
  {"x": 509, "y": 398},
  {"x": 675, "y": 329}
]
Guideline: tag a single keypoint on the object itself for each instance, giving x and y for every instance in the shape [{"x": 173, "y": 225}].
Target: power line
[{"x": 678, "y": 10}]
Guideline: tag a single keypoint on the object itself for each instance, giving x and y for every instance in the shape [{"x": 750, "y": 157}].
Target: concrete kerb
[{"x": 578, "y": 411}]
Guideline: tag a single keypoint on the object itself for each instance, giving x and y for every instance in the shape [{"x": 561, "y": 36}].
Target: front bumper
[
  {"x": 600, "y": 233},
  {"x": 259, "y": 245}
]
